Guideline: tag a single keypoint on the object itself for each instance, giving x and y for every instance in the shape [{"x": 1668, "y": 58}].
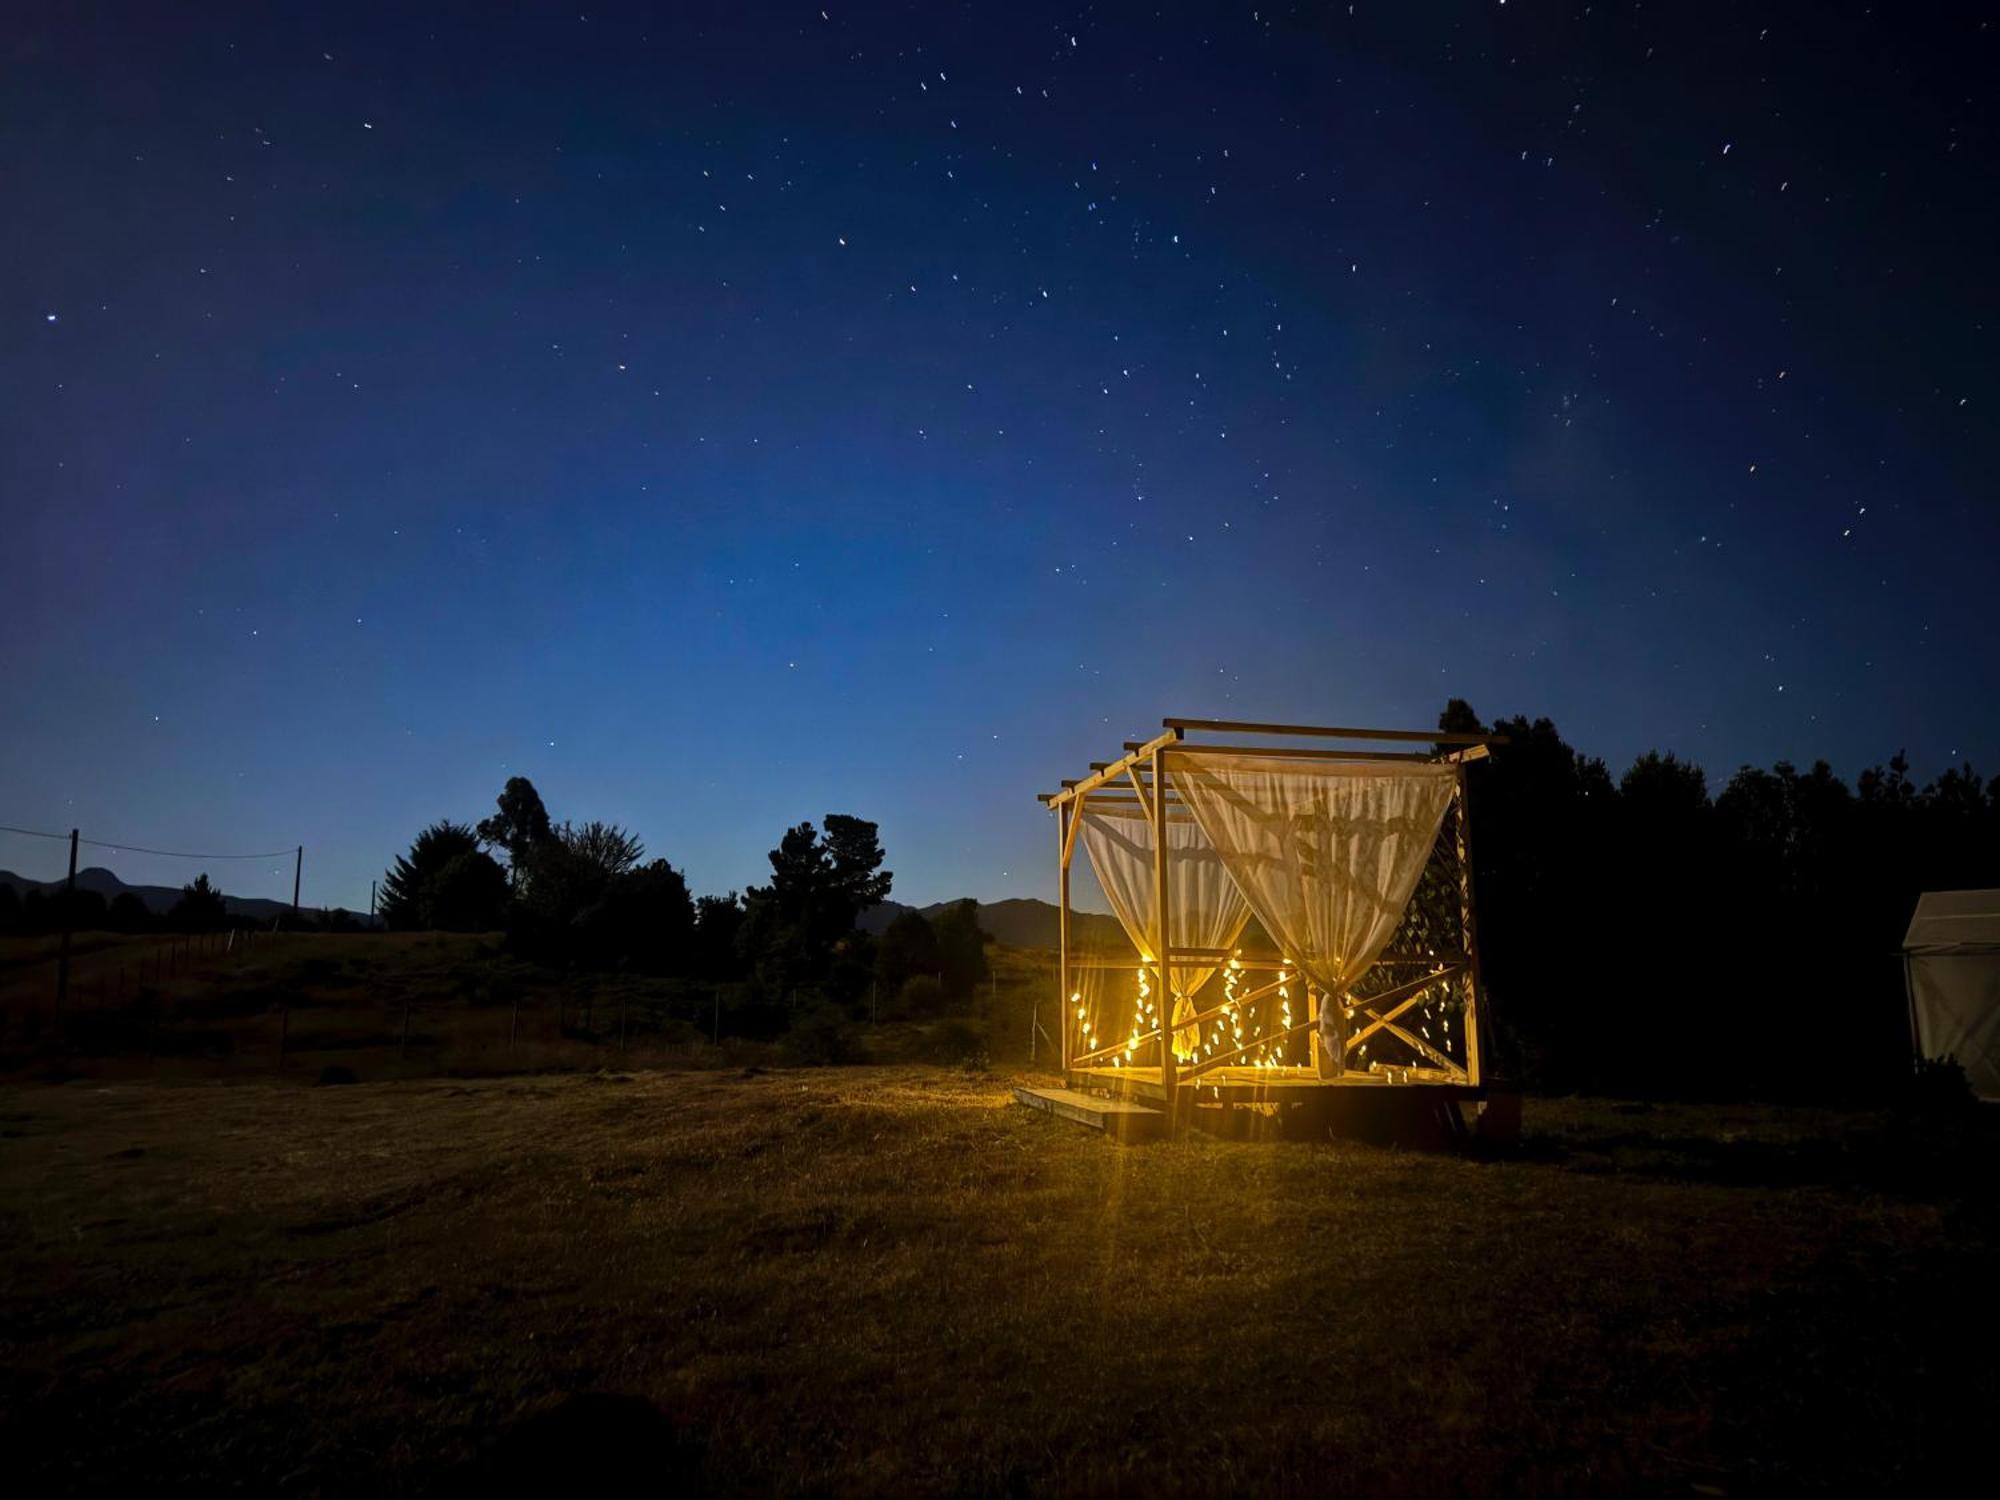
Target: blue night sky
[{"x": 724, "y": 416}]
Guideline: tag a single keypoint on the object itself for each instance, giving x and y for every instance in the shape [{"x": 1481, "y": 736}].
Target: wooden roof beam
[{"x": 1423, "y": 736}]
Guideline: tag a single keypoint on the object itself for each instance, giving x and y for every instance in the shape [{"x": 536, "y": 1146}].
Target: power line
[{"x": 36, "y": 833}]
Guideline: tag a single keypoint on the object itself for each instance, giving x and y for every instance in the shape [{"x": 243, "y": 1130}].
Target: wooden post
[
  {"x": 68, "y": 918},
  {"x": 298, "y": 869},
  {"x": 1163, "y": 938},
  {"x": 1064, "y": 815},
  {"x": 1468, "y": 917}
]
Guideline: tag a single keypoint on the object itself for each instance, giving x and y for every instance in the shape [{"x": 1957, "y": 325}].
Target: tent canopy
[
  {"x": 1325, "y": 853},
  {"x": 1952, "y": 966},
  {"x": 1324, "y": 850},
  {"x": 1955, "y": 922}
]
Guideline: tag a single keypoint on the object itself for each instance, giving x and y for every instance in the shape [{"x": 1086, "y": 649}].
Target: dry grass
[
  {"x": 405, "y": 1006},
  {"x": 892, "y": 1280}
]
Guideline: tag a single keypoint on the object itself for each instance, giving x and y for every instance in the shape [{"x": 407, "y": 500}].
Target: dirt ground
[{"x": 872, "y": 1280}]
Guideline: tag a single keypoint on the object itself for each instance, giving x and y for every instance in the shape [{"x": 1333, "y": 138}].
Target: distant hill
[
  {"x": 159, "y": 899},
  {"x": 1019, "y": 922}
]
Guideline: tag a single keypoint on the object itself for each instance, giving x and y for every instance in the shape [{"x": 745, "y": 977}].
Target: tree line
[
  {"x": 1650, "y": 934},
  {"x": 584, "y": 896},
  {"x": 199, "y": 908}
]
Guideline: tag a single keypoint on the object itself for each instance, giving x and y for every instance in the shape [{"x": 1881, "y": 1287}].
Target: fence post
[
  {"x": 404, "y": 1050},
  {"x": 69, "y": 917},
  {"x": 514, "y": 1025},
  {"x": 284, "y": 1027}
]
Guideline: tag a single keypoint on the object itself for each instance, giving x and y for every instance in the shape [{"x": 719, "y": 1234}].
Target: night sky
[{"x": 726, "y": 416}]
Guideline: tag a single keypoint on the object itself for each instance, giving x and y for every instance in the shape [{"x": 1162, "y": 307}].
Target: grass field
[
  {"x": 415, "y": 1005},
  {"x": 891, "y": 1280}
]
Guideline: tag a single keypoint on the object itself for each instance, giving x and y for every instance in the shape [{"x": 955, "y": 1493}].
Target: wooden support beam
[
  {"x": 1066, "y": 820},
  {"x": 1301, "y": 752},
  {"x": 1163, "y": 937},
  {"x": 1409, "y": 989},
  {"x": 1129, "y": 1044},
  {"x": 1416, "y": 1043},
  {"x": 1072, "y": 816},
  {"x": 1112, "y": 772},
  {"x": 1468, "y": 921},
  {"x": 1381, "y": 1018},
  {"x": 1428, "y": 736},
  {"x": 1221, "y": 1059}
]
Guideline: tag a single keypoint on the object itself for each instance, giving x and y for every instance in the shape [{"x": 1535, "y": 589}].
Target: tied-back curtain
[
  {"x": 1206, "y": 908},
  {"x": 1328, "y": 853}
]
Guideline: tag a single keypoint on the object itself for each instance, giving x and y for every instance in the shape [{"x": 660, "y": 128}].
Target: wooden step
[{"x": 1119, "y": 1118}]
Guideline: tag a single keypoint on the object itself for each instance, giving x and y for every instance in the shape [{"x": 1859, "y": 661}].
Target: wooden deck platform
[
  {"x": 1118, "y": 1118},
  {"x": 1267, "y": 1085}
]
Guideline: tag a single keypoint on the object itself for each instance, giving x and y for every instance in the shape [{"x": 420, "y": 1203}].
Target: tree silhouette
[
  {"x": 644, "y": 920},
  {"x": 961, "y": 948},
  {"x": 717, "y": 920},
  {"x": 200, "y": 908},
  {"x": 909, "y": 946},
  {"x": 818, "y": 887},
  {"x": 520, "y": 827},
  {"x": 128, "y": 913},
  {"x": 467, "y": 894},
  {"x": 406, "y": 884}
]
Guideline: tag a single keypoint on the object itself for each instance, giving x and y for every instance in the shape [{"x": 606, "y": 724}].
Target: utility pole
[
  {"x": 298, "y": 869},
  {"x": 371, "y": 906},
  {"x": 69, "y": 919}
]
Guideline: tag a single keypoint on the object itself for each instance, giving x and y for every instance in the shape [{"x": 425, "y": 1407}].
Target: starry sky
[{"x": 726, "y": 415}]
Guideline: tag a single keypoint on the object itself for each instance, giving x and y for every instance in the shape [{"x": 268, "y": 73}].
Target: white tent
[{"x": 1951, "y": 966}]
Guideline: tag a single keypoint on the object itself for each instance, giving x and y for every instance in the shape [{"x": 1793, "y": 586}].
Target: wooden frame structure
[{"x": 1142, "y": 1064}]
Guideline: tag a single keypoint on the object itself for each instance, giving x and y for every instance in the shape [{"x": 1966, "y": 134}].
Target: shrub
[
  {"x": 955, "y": 1041},
  {"x": 921, "y": 996},
  {"x": 1938, "y": 1087},
  {"x": 819, "y": 1037}
]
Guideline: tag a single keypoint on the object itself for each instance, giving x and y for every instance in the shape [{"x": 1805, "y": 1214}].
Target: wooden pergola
[{"x": 1385, "y": 1007}]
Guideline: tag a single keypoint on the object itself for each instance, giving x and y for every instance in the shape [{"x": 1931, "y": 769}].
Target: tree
[
  {"x": 129, "y": 913},
  {"x": 467, "y": 894},
  {"x": 644, "y": 920},
  {"x": 854, "y": 859},
  {"x": 818, "y": 887},
  {"x": 573, "y": 870},
  {"x": 961, "y": 948},
  {"x": 717, "y": 921},
  {"x": 520, "y": 827},
  {"x": 200, "y": 908},
  {"x": 909, "y": 947},
  {"x": 404, "y": 903}
]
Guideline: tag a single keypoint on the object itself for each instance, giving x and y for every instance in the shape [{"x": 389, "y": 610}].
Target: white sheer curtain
[
  {"x": 1206, "y": 908},
  {"x": 1328, "y": 854}
]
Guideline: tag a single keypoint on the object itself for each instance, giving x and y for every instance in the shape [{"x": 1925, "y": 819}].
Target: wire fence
[{"x": 67, "y": 909}]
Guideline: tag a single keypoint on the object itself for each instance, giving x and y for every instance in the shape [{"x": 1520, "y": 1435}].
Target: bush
[
  {"x": 920, "y": 996},
  {"x": 1938, "y": 1087},
  {"x": 955, "y": 1042},
  {"x": 819, "y": 1037}
]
